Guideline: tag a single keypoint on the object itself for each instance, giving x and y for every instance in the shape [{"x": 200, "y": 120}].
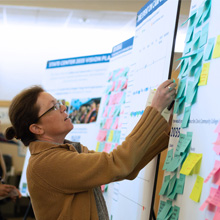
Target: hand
[
  {"x": 6, "y": 189},
  {"x": 164, "y": 95}
]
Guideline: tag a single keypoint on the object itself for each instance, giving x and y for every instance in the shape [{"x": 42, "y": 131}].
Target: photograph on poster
[{"x": 84, "y": 111}]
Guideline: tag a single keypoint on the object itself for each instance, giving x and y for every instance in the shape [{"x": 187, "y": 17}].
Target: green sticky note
[
  {"x": 169, "y": 213},
  {"x": 186, "y": 117},
  {"x": 175, "y": 214},
  {"x": 179, "y": 144},
  {"x": 162, "y": 204},
  {"x": 164, "y": 187},
  {"x": 163, "y": 213},
  {"x": 181, "y": 104},
  {"x": 180, "y": 184},
  {"x": 174, "y": 164},
  {"x": 209, "y": 49},
  {"x": 204, "y": 35},
  {"x": 181, "y": 88},
  {"x": 169, "y": 157},
  {"x": 191, "y": 18},
  {"x": 171, "y": 184}
]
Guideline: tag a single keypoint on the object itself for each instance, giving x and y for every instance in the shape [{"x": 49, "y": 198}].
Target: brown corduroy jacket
[{"x": 61, "y": 180}]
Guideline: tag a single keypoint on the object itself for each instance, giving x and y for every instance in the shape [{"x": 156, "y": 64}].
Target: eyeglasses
[{"x": 57, "y": 106}]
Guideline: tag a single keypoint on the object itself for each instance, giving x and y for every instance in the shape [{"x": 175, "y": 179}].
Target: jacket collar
[{"x": 37, "y": 147}]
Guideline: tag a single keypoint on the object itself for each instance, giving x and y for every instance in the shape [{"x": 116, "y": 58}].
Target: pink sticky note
[
  {"x": 207, "y": 201},
  {"x": 216, "y": 178},
  {"x": 119, "y": 85},
  {"x": 125, "y": 85},
  {"x": 119, "y": 96},
  {"x": 214, "y": 170},
  {"x": 215, "y": 200},
  {"x": 217, "y": 130},
  {"x": 108, "y": 123},
  {"x": 107, "y": 147},
  {"x": 102, "y": 135},
  {"x": 112, "y": 111},
  {"x": 217, "y": 214},
  {"x": 216, "y": 148},
  {"x": 113, "y": 87},
  {"x": 105, "y": 112},
  {"x": 115, "y": 125},
  {"x": 217, "y": 142}
]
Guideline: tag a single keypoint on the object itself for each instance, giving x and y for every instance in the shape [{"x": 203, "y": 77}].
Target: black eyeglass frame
[{"x": 56, "y": 106}]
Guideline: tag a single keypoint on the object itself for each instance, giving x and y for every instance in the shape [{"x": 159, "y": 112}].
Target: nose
[{"x": 62, "y": 108}]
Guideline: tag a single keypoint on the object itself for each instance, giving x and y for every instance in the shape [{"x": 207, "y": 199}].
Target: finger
[{"x": 166, "y": 83}]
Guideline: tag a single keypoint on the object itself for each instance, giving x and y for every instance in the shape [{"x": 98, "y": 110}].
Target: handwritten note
[
  {"x": 204, "y": 75},
  {"x": 197, "y": 189},
  {"x": 216, "y": 52},
  {"x": 192, "y": 164}
]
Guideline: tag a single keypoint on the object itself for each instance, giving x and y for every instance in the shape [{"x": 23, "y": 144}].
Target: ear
[{"x": 36, "y": 129}]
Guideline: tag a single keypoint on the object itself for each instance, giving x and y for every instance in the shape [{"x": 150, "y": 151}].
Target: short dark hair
[{"x": 23, "y": 112}]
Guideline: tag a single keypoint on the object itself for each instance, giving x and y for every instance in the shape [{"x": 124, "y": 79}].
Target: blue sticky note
[
  {"x": 209, "y": 49},
  {"x": 190, "y": 92},
  {"x": 197, "y": 75},
  {"x": 181, "y": 104},
  {"x": 198, "y": 20},
  {"x": 196, "y": 62},
  {"x": 189, "y": 34},
  {"x": 180, "y": 184},
  {"x": 181, "y": 88},
  {"x": 186, "y": 117},
  {"x": 204, "y": 35},
  {"x": 184, "y": 67},
  {"x": 187, "y": 48},
  {"x": 196, "y": 40},
  {"x": 207, "y": 10},
  {"x": 191, "y": 18}
]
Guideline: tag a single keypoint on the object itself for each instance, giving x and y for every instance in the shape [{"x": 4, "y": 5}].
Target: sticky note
[
  {"x": 197, "y": 189},
  {"x": 163, "y": 213},
  {"x": 180, "y": 184},
  {"x": 164, "y": 187},
  {"x": 192, "y": 164},
  {"x": 204, "y": 35},
  {"x": 184, "y": 67},
  {"x": 107, "y": 147},
  {"x": 217, "y": 129},
  {"x": 190, "y": 92},
  {"x": 214, "y": 170},
  {"x": 101, "y": 146},
  {"x": 217, "y": 214},
  {"x": 162, "y": 204},
  {"x": 209, "y": 49},
  {"x": 196, "y": 40},
  {"x": 198, "y": 19},
  {"x": 186, "y": 117},
  {"x": 196, "y": 60},
  {"x": 175, "y": 162},
  {"x": 175, "y": 213},
  {"x": 207, "y": 201},
  {"x": 181, "y": 88},
  {"x": 215, "y": 200},
  {"x": 169, "y": 157},
  {"x": 188, "y": 47},
  {"x": 204, "y": 75},
  {"x": 110, "y": 136},
  {"x": 191, "y": 18},
  {"x": 216, "y": 52},
  {"x": 206, "y": 13},
  {"x": 97, "y": 146},
  {"x": 171, "y": 184},
  {"x": 189, "y": 34},
  {"x": 102, "y": 135}
]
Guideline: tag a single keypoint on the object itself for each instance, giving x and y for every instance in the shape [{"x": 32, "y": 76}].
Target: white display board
[
  {"x": 150, "y": 66},
  {"x": 193, "y": 148}
]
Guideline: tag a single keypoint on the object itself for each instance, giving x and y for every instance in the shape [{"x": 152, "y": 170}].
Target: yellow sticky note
[
  {"x": 97, "y": 146},
  {"x": 192, "y": 164},
  {"x": 216, "y": 51},
  {"x": 204, "y": 74},
  {"x": 197, "y": 189},
  {"x": 110, "y": 137}
]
